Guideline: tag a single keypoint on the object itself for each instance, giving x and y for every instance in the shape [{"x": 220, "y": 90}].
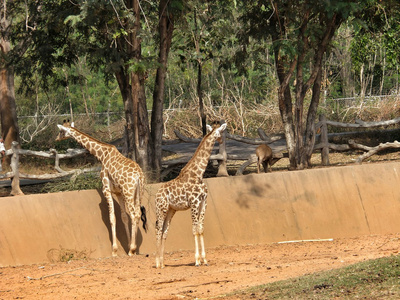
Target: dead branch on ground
[{"x": 372, "y": 150}]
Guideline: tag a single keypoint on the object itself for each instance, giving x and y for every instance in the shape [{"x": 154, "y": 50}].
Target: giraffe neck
[
  {"x": 95, "y": 147},
  {"x": 196, "y": 166}
]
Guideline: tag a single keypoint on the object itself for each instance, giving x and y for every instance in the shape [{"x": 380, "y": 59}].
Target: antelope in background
[{"x": 264, "y": 157}]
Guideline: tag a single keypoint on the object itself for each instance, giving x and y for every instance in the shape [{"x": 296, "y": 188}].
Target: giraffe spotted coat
[
  {"x": 187, "y": 191},
  {"x": 122, "y": 179}
]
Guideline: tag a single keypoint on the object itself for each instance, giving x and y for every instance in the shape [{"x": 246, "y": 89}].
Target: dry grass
[{"x": 241, "y": 122}]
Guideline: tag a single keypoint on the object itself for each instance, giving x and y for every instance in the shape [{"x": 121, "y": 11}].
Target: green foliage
[
  {"x": 76, "y": 47},
  {"x": 376, "y": 43},
  {"x": 362, "y": 50}
]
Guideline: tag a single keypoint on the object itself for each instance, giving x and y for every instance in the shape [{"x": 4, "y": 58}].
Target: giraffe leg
[
  {"x": 162, "y": 232},
  {"x": 124, "y": 213},
  {"x": 203, "y": 249},
  {"x": 107, "y": 194},
  {"x": 134, "y": 213},
  {"x": 198, "y": 213},
  {"x": 196, "y": 254},
  {"x": 132, "y": 207},
  {"x": 196, "y": 234},
  {"x": 200, "y": 228},
  {"x": 159, "y": 224},
  {"x": 161, "y": 212}
]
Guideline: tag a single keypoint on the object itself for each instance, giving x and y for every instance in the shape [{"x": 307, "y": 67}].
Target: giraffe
[
  {"x": 186, "y": 191},
  {"x": 122, "y": 179}
]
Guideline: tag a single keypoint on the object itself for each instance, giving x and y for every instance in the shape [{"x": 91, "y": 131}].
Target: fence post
[
  {"x": 15, "y": 187},
  {"x": 222, "y": 171},
  {"x": 324, "y": 141},
  {"x": 56, "y": 160}
]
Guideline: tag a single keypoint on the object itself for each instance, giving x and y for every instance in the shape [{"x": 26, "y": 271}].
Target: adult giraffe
[
  {"x": 186, "y": 191},
  {"x": 122, "y": 179}
]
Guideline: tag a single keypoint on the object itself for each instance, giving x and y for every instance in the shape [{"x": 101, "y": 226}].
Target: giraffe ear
[
  {"x": 222, "y": 128},
  {"x": 209, "y": 128},
  {"x": 72, "y": 124}
]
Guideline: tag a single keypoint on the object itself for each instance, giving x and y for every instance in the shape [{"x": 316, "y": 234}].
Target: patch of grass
[{"x": 374, "y": 279}]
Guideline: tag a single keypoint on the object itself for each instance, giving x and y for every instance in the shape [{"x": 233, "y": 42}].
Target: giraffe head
[
  {"x": 65, "y": 129},
  {"x": 216, "y": 130}
]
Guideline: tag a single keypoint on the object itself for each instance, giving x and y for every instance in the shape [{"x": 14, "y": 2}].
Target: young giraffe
[
  {"x": 186, "y": 191},
  {"x": 122, "y": 179}
]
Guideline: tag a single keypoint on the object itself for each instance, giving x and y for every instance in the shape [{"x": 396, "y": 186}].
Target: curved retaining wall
[{"x": 299, "y": 205}]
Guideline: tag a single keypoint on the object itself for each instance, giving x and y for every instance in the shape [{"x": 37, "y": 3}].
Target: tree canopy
[{"x": 161, "y": 53}]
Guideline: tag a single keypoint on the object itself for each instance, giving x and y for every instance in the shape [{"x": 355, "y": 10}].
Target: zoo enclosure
[{"x": 221, "y": 157}]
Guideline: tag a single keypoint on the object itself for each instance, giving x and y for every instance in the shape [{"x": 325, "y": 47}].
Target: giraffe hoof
[
  {"x": 114, "y": 251},
  {"x": 159, "y": 265}
]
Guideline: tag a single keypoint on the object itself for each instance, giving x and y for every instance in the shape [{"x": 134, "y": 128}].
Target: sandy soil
[{"x": 230, "y": 268}]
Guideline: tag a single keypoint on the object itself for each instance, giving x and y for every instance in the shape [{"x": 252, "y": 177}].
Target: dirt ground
[{"x": 230, "y": 268}]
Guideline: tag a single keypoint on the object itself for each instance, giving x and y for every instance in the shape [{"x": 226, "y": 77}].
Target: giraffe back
[{"x": 124, "y": 172}]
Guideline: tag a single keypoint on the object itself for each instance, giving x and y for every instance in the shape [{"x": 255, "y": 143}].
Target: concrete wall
[{"x": 310, "y": 204}]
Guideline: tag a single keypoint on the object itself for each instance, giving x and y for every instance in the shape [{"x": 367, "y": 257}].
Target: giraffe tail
[
  {"x": 142, "y": 208},
  {"x": 143, "y": 217}
]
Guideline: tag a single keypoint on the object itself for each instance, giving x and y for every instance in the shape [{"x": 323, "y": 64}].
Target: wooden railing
[
  {"x": 15, "y": 175},
  {"x": 325, "y": 146}
]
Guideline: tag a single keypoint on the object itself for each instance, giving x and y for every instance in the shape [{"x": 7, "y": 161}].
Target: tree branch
[{"x": 372, "y": 150}]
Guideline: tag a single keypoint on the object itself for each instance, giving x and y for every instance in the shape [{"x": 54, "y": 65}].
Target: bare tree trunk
[
  {"x": 141, "y": 129},
  {"x": 135, "y": 127},
  {"x": 166, "y": 27},
  {"x": 138, "y": 144},
  {"x": 309, "y": 140},
  {"x": 8, "y": 113},
  {"x": 15, "y": 183},
  {"x": 363, "y": 82},
  {"x": 71, "y": 111},
  {"x": 285, "y": 104},
  {"x": 383, "y": 72},
  {"x": 201, "y": 103},
  {"x": 285, "y": 72},
  {"x": 343, "y": 55},
  {"x": 125, "y": 88},
  {"x": 196, "y": 38},
  {"x": 285, "y": 108},
  {"x": 299, "y": 153},
  {"x": 372, "y": 75},
  {"x": 324, "y": 141}
]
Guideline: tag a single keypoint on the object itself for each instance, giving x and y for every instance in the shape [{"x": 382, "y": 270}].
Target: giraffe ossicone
[
  {"x": 122, "y": 178},
  {"x": 187, "y": 191}
]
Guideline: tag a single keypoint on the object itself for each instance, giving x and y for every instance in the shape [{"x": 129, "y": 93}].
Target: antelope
[{"x": 264, "y": 157}]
